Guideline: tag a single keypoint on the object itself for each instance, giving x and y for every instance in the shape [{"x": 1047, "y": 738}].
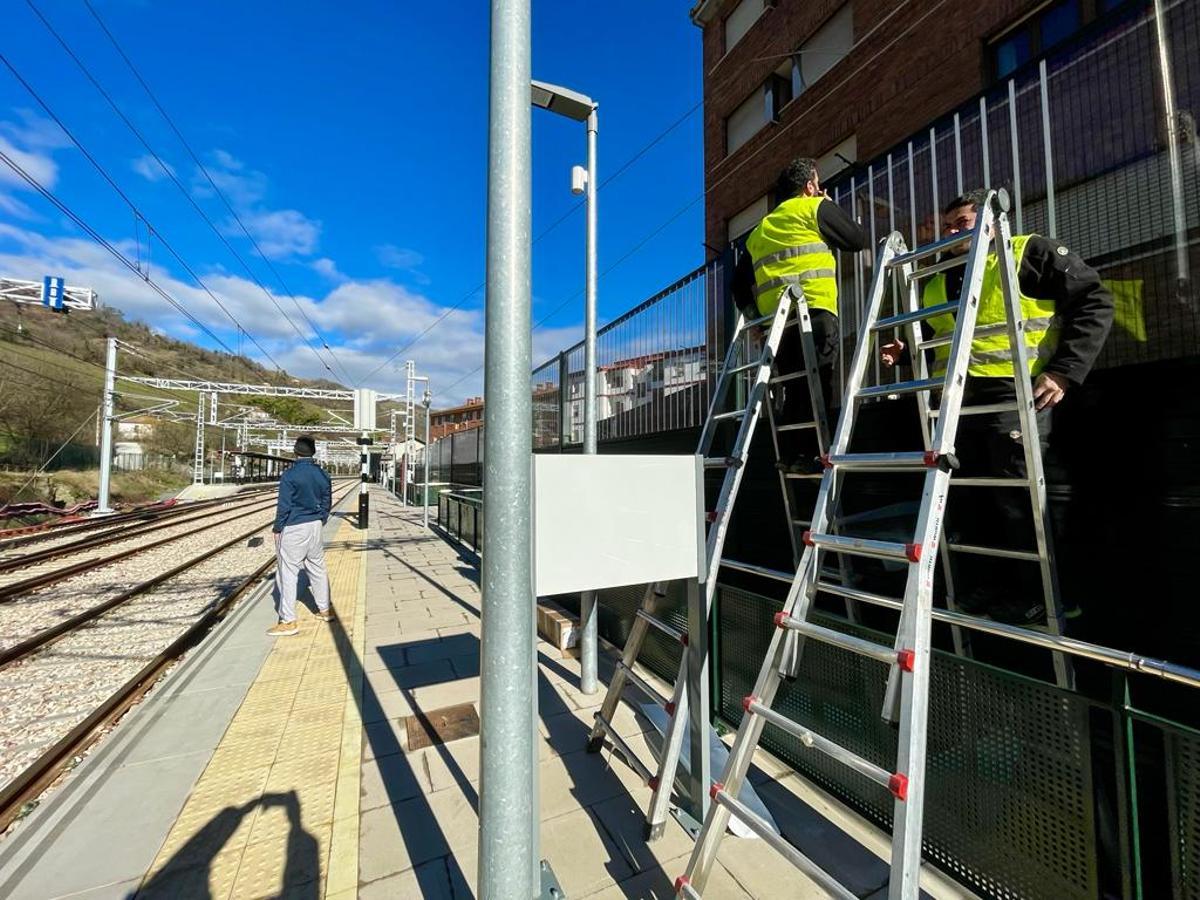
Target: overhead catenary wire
[
  {"x": 134, "y": 266},
  {"x": 107, "y": 245},
  {"x": 53, "y": 456},
  {"x": 172, "y": 176},
  {"x": 216, "y": 188},
  {"x": 662, "y": 226},
  {"x": 620, "y": 170},
  {"x": 726, "y": 176}
]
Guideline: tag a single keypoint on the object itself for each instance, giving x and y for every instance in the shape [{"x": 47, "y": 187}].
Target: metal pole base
[
  {"x": 551, "y": 889},
  {"x": 690, "y": 823},
  {"x": 363, "y": 510}
]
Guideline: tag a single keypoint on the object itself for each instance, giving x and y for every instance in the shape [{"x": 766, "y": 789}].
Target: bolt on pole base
[{"x": 551, "y": 889}]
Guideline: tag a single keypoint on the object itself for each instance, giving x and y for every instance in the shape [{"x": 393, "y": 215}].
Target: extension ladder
[
  {"x": 907, "y": 698},
  {"x": 742, "y": 363}
]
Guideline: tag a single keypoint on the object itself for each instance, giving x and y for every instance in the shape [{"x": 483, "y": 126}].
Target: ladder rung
[
  {"x": 812, "y": 476},
  {"x": 744, "y": 367},
  {"x": 942, "y": 340},
  {"x": 901, "y": 387},
  {"x": 932, "y": 249},
  {"x": 735, "y": 414},
  {"x": 989, "y": 482},
  {"x": 838, "y": 543},
  {"x": 1027, "y": 555},
  {"x": 625, "y": 750},
  {"x": 759, "y": 321},
  {"x": 798, "y": 426},
  {"x": 792, "y": 376},
  {"x": 907, "y": 460},
  {"x": 804, "y": 523},
  {"x": 811, "y": 739},
  {"x": 780, "y": 845},
  {"x": 919, "y": 315},
  {"x": 982, "y": 409},
  {"x": 722, "y": 462},
  {"x": 950, "y": 262},
  {"x": 673, "y": 633},
  {"x": 647, "y": 688},
  {"x": 841, "y": 590},
  {"x": 845, "y": 641},
  {"x": 751, "y": 569}
]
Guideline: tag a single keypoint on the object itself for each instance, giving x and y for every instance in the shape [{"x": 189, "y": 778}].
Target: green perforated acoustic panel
[
  {"x": 618, "y": 607},
  {"x": 1183, "y": 767},
  {"x": 1009, "y": 795}
]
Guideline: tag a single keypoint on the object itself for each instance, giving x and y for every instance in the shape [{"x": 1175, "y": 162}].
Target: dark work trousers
[
  {"x": 992, "y": 445},
  {"x": 792, "y": 402}
]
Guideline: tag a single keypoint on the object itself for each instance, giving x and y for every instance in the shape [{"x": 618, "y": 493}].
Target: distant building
[{"x": 458, "y": 418}]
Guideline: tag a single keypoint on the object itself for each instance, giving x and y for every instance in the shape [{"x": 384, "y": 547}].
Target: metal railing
[
  {"x": 1085, "y": 147},
  {"x": 460, "y": 515},
  {"x": 655, "y": 366}
]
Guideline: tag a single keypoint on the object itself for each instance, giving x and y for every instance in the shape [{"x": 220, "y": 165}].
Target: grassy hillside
[{"x": 52, "y": 379}]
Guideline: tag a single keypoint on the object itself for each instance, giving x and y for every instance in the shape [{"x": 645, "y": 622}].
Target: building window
[
  {"x": 779, "y": 91},
  {"x": 744, "y": 220},
  {"x": 1040, "y": 32},
  {"x": 745, "y": 121},
  {"x": 824, "y": 49},
  {"x": 837, "y": 158},
  {"x": 738, "y": 22}
]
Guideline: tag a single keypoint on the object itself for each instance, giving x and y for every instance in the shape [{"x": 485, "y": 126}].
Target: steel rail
[
  {"x": 114, "y": 536},
  {"x": 43, "y": 638},
  {"x": 11, "y": 591},
  {"x": 46, "y": 769}
]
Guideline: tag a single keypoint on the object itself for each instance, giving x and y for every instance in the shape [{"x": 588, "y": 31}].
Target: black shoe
[
  {"x": 1014, "y": 612},
  {"x": 806, "y": 465},
  {"x": 977, "y": 601}
]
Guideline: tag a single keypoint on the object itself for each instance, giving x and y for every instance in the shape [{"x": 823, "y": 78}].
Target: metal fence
[
  {"x": 655, "y": 366},
  {"x": 460, "y": 514},
  {"x": 1082, "y": 143}
]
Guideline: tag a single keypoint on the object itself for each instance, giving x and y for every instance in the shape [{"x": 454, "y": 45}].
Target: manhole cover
[{"x": 441, "y": 726}]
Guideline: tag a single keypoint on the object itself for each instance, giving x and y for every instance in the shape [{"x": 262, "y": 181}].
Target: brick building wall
[{"x": 920, "y": 63}]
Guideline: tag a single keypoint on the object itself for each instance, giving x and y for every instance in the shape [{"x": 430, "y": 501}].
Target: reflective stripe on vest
[
  {"x": 787, "y": 249},
  {"x": 991, "y": 354}
]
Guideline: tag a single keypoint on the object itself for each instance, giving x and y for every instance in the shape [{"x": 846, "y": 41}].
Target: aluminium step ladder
[
  {"x": 743, "y": 361},
  {"x": 909, "y": 659}
]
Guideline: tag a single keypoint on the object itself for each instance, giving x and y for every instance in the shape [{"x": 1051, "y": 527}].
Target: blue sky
[{"x": 351, "y": 140}]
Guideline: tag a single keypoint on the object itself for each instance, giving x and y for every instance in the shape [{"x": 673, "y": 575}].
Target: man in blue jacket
[{"x": 305, "y": 495}]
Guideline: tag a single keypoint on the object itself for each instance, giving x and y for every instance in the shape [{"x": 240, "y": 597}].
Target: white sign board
[
  {"x": 364, "y": 409},
  {"x": 609, "y": 521}
]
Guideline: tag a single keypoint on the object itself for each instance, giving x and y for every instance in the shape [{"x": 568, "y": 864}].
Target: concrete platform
[{"x": 281, "y": 768}]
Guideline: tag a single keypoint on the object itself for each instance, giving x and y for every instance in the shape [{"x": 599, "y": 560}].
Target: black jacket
[{"x": 837, "y": 228}]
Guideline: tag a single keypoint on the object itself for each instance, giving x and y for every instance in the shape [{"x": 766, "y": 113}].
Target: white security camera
[{"x": 578, "y": 179}]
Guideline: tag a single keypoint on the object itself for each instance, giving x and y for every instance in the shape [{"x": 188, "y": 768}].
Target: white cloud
[
  {"x": 328, "y": 268},
  {"x": 30, "y": 144},
  {"x": 148, "y": 167},
  {"x": 398, "y": 257},
  {"x": 365, "y": 321},
  {"x": 280, "y": 233}
]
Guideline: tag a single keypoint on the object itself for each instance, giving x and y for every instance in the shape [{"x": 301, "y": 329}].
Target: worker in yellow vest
[
  {"x": 1068, "y": 313},
  {"x": 794, "y": 245}
]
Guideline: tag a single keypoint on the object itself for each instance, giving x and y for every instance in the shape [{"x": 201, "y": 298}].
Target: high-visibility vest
[
  {"x": 787, "y": 248},
  {"x": 991, "y": 354}
]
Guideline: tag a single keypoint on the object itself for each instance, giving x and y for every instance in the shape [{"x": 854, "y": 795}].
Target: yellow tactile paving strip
[{"x": 276, "y": 811}]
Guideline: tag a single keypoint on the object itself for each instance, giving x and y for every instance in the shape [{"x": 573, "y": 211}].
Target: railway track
[
  {"x": 12, "y": 542},
  {"x": 66, "y": 680}
]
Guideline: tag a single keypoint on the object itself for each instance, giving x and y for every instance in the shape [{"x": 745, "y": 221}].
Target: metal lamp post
[
  {"x": 426, "y": 401},
  {"x": 582, "y": 108},
  {"x": 508, "y": 802}
]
